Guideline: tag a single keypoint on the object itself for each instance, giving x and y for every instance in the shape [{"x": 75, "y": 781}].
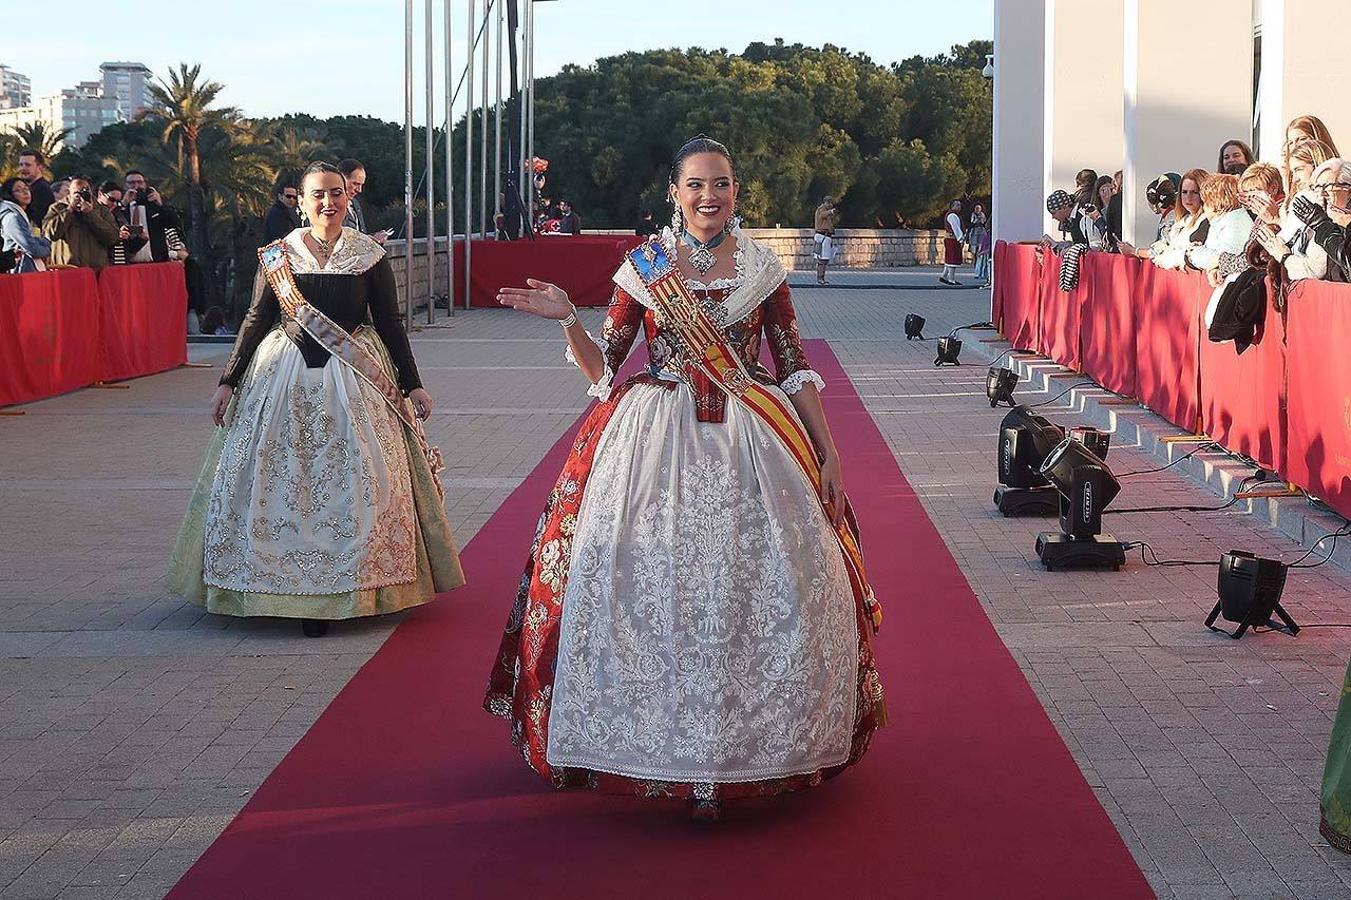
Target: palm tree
[
  {"x": 185, "y": 111},
  {"x": 39, "y": 137},
  {"x": 294, "y": 148}
]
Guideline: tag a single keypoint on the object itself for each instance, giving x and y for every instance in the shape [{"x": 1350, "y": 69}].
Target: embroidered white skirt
[{"x": 709, "y": 631}]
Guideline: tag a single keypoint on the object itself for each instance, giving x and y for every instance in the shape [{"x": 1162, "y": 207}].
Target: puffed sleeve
[
  {"x": 785, "y": 344},
  {"x": 263, "y": 313},
  {"x": 383, "y": 299},
  {"x": 622, "y": 321}
]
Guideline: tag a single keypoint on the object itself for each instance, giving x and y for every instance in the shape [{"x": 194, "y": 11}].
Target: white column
[
  {"x": 1299, "y": 76},
  {"x": 1019, "y": 44},
  {"x": 1082, "y": 119},
  {"x": 1183, "y": 99}
]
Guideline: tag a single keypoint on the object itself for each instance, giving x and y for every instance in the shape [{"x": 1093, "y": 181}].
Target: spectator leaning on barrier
[
  {"x": 1061, "y": 207},
  {"x": 1189, "y": 226},
  {"x": 1235, "y": 157},
  {"x": 1331, "y": 221},
  {"x": 1084, "y": 183},
  {"x": 1262, "y": 194},
  {"x": 82, "y": 232},
  {"x": 1107, "y": 199},
  {"x": 1230, "y": 223},
  {"x": 21, "y": 251},
  {"x": 150, "y": 230},
  {"x": 32, "y": 165}
]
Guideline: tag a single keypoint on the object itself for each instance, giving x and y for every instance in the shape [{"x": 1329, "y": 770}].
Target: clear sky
[{"x": 346, "y": 56}]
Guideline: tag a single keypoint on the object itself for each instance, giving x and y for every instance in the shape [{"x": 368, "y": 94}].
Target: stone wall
[{"x": 396, "y": 250}]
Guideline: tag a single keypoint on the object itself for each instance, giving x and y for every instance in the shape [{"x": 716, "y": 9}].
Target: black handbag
[{"x": 1241, "y": 311}]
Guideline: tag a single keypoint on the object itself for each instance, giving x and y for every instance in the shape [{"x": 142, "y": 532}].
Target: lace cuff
[
  {"x": 799, "y": 379},
  {"x": 601, "y": 389}
]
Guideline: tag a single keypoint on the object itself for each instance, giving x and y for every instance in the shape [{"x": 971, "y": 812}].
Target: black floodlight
[
  {"x": 1086, "y": 486},
  {"x": 1025, "y": 440},
  {"x": 1250, "y": 590},
  {"x": 949, "y": 348},
  {"x": 1095, "y": 439},
  {"x": 914, "y": 327},
  {"x": 999, "y": 385}
]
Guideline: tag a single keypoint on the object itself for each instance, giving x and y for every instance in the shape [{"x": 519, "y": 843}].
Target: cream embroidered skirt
[
  {"x": 709, "y": 630},
  {"x": 313, "y": 501}
]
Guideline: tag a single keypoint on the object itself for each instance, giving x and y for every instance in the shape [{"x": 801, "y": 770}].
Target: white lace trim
[
  {"x": 800, "y": 379},
  {"x": 601, "y": 389},
  {"x": 353, "y": 254}
]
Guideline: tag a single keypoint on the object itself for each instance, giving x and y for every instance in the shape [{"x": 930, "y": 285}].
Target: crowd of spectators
[
  {"x": 72, "y": 224},
  {"x": 1243, "y": 223}
]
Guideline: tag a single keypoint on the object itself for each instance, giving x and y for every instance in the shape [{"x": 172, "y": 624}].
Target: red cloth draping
[
  {"x": 1318, "y": 457},
  {"x": 1107, "y": 319},
  {"x": 582, "y": 265},
  {"x": 1059, "y": 320},
  {"x": 143, "y": 314},
  {"x": 1243, "y": 395},
  {"x": 48, "y": 334},
  {"x": 1019, "y": 294},
  {"x": 1167, "y": 339}
]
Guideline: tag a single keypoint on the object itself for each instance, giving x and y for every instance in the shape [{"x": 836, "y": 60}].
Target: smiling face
[
  {"x": 706, "y": 190},
  {"x": 324, "y": 198},
  {"x": 22, "y": 195},
  {"x": 1233, "y": 159}
]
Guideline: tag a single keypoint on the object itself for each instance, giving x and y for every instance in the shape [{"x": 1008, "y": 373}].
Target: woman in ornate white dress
[
  {"x": 694, "y": 621},
  {"x": 319, "y": 497}
]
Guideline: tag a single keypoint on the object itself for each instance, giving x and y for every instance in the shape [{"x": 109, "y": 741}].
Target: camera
[{"x": 85, "y": 195}]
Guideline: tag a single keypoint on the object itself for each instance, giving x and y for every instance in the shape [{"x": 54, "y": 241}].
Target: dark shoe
[
  {"x": 314, "y": 627},
  {"x": 946, "y": 281},
  {"x": 706, "y": 810}
]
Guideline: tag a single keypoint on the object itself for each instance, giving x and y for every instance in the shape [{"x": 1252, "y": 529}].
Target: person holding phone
[
  {"x": 81, "y": 231},
  {"x": 151, "y": 230},
  {"x": 355, "y": 172}
]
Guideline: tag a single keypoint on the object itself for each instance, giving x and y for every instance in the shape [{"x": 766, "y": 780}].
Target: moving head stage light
[
  {"x": 914, "y": 327},
  {"x": 1086, "y": 487},
  {"x": 1025, "y": 440},
  {"x": 1250, "y": 590}
]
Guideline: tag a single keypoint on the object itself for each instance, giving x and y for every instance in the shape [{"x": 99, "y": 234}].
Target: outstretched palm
[{"x": 540, "y": 298}]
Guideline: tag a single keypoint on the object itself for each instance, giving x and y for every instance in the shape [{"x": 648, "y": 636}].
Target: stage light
[
  {"x": 1095, "y": 439},
  {"x": 914, "y": 327},
  {"x": 1250, "y": 590},
  {"x": 1025, "y": 440},
  {"x": 1086, "y": 486},
  {"x": 999, "y": 385},
  {"x": 949, "y": 348}
]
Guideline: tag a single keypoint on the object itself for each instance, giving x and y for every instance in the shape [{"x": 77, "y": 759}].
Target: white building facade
[
  {"x": 1147, "y": 87},
  {"x": 15, "y": 88},
  {"x": 129, "y": 83},
  {"x": 82, "y": 109}
]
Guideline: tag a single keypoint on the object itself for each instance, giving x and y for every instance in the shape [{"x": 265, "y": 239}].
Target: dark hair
[
  {"x": 282, "y": 186},
  {"x": 131, "y": 172},
  {"x": 701, "y": 143},
  {"x": 7, "y": 188},
  {"x": 212, "y": 319},
  {"x": 345, "y": 167},
  {"x": 35, "y": 153},
  {"x": 1085, "y": 178},
  {"x": 1248, "y": 158},
  {"x": 1097, "y": 188},
  {"x": 320, "y": 167},
  {"x": 109, "y": 186}
]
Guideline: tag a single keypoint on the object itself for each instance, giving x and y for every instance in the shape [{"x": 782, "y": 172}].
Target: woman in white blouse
[
  {"x": 1230, "y": 223},
  {"x": 1189, "y": 228}
]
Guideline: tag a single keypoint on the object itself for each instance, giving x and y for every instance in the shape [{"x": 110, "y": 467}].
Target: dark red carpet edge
[{"x": 405, "y": 788}]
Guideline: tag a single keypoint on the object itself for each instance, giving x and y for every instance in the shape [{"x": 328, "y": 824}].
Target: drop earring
[{"x": 677, "y": 221}]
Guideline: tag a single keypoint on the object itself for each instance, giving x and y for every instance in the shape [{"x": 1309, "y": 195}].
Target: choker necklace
[
  {"x": 702, "y": 257},
  {"x": 326, "y": 246}
]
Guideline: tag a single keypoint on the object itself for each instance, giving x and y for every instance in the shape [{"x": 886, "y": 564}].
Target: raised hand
[{"x": 542, "y": 299}]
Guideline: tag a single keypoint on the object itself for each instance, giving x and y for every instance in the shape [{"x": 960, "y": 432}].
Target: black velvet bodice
[{"x": 349, "y": 300}]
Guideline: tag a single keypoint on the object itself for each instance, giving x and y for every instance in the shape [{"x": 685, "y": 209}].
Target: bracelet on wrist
[{"x": 570, "y": 320}]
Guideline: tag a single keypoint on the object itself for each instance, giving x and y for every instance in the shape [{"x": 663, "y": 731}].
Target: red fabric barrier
[
  {"x": 1059, "y": 320},
  {"x": 48, "y": 334},
  {"x": 1168, "y": 310},
  {"x": 582, "y": 266},
  {"x": 143, "y": 314},
  {"x": 1243, "y": 395},
  {"x": 1318, "y": 456},
  {"x": 1019, "y": 295},
  {"x": 1107, "y": 320}
]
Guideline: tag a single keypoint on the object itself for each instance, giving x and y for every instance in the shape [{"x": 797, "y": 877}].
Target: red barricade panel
[
  {"x": 1059, "y": 320},
  {"x": 144, "y": 314},
  {"x": 49, "y": 334},
  {"x": 581, "y": 265},
  {"x": 1108, "y": 320},
  {"x": 1019, "y": 283},
  {"x": 1318, "y": 455},
  {"x": 1243, "y": 395},
  {"x": 1169, "y": 307}
]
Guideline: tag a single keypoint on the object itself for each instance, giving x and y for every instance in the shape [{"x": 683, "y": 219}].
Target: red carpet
[{"x": 405, "y": 788}]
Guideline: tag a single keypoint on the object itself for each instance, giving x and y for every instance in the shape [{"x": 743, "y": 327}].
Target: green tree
[{"x": 38, "y": 136}]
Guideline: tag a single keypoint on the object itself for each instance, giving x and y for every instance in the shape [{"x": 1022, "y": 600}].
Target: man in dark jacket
[
  {"x": 282, "y": 218},
  {"x": 31, "y": 164},
  {"x": 162, "y": 240}
]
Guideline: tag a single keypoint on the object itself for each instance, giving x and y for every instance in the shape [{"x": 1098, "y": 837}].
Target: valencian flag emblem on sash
[{"x": 708, "y": 351}]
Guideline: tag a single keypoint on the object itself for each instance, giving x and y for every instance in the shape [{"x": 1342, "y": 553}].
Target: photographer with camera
[
  {"x": 81, "y": 231},
  {"x": 150, "y": 230}
]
